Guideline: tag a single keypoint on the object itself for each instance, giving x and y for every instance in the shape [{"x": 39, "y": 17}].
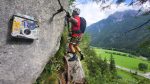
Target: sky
[{"x": 92, "y": 12}]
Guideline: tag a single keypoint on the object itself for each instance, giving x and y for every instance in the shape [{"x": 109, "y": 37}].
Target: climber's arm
[{"x": 73, "y": 21}]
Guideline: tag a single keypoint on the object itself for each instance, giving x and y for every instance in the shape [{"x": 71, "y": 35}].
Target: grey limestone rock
[{"x": 22, "y": 61}]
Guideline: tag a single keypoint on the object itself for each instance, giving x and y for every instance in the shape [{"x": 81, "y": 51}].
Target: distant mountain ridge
[
  {"x": 110, "y": 32},
  {"x": 116, "y": 17}
]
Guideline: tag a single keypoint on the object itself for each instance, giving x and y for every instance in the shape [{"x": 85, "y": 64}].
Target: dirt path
[{"x": 146, "y": 75}]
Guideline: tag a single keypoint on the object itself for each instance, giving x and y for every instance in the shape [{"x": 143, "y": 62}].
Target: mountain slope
[
  {"x": 112, "y": 33},
  {"x": 112, "y": 19}
]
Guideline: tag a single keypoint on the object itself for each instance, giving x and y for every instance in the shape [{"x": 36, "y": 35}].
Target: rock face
[
  {"x": 22, "y": 61},
  {"x": 75, "y": 72}
]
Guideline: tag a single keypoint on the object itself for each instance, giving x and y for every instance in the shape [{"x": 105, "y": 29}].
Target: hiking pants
[{"x": 74, "y": 44}]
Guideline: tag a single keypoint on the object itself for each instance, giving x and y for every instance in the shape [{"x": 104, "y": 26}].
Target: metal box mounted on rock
[{"x": 24, "y": 26}]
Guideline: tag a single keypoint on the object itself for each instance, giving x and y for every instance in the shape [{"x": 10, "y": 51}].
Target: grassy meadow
[{"x": 122, "y": 59}]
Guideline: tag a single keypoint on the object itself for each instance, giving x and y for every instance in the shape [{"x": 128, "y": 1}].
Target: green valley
[
  {"x": 124, "y": 63},
  {"x": 113, "y": 35},
  {"x": 130, "y": 78},
  {"x": 122, "y": 59}
]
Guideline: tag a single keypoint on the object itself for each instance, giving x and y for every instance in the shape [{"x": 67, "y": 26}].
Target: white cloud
[
  {"x": 92, "y": 12},
  {"x": 146, "y": 6}
]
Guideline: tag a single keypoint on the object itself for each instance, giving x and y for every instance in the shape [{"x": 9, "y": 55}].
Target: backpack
[{"x": 82, "y": 24}]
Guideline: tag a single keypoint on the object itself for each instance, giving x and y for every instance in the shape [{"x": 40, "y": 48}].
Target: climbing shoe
[
  {"x": 73, "y": 58},
  {"x": 82, "y": 57}
]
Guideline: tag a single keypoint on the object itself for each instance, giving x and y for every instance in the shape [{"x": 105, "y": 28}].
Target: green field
[
  {"x": 128, "y": 78},
  {"x": 124, "y": 61}
]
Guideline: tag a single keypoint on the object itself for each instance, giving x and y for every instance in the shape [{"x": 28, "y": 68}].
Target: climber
[{"x": 75, "y": 34}]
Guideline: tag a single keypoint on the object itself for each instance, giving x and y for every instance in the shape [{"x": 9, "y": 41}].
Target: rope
[{"x": 138, "y": 26}]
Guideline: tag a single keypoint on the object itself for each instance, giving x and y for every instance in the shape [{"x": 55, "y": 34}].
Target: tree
[
  {"x": 112, "y": 66},
  {"x": 104, "y": 67},
  {"x": 131, "y": 2},
  {"x": 71, "y": 2},
  {"x": 143, "y": 66}
]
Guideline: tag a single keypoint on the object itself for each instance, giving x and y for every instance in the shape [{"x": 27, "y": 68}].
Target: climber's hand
[{"x": 68, "y": 15}]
